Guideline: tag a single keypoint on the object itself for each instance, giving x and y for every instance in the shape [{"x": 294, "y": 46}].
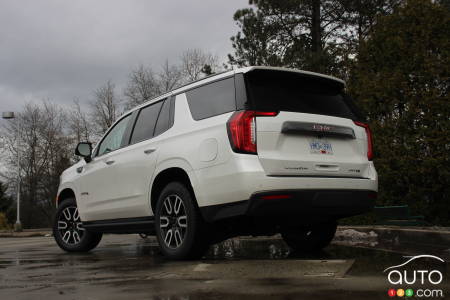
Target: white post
[
  {"x": 10, "y": 115},
  {"x": 18, "y": 225}
]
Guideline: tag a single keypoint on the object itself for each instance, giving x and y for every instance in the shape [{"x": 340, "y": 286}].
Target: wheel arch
[
  {"x": 166, "y": 176},
  {"x": 64, "y": 194}
]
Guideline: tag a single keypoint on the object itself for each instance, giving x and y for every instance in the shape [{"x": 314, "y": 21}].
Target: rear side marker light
[
  {"x": 272, "y": 197},
  {"x": 241, "y": 129},
  {"x": 369, "y": 139}
]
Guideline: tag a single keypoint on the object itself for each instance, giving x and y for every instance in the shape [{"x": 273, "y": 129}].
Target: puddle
[
  {"x": 243, "y": 268},
  {"x": 140, "y": 254},
  {"x": 248, "y": 248}
]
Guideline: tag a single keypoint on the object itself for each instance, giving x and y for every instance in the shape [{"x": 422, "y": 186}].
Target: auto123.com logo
[{"x": 415, "y": 282}]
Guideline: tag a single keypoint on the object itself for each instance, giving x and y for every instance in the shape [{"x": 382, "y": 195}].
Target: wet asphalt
[{"x": 129, "y": 267}]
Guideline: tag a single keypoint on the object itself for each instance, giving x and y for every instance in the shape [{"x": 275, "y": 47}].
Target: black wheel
[
  {"x": 68, "y": 230},
  {"x": 310, "y": 239},
  {"x": 178, "y": 224}
]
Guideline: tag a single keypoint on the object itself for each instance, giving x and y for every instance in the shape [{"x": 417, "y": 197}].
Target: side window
[
  {"x": 212, "y": 99},
  {"x": 145, "y": 124},
  {"x": 163, "y": 122},
  {"x": 113, "y": 140}
]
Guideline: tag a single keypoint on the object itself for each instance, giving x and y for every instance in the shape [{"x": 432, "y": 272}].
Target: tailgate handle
[
  {"x": 317, "y": 129},
  {"x": 329, "y": 168}
]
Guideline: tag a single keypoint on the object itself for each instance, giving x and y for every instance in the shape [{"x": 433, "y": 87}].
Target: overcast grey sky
[{"x": 64, "y": 49}]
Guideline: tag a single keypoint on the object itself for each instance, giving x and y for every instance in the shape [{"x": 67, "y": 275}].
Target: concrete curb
[{"x": 26, "y": 233}]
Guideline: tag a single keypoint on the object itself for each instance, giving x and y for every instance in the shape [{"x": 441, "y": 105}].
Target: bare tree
[
  {"x": 145, "y": 84},
  {"x": 169, "y": 77},
  {"x": 142, "y": 86},
  {"x": 78, "y": 123},
  {"x": 194, "y": 62},
  {"x": 104, "y": 107},
  {"x": 44, "y": 149}
]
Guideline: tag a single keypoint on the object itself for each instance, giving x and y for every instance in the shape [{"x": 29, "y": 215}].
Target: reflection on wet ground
[
  {"x": 365, "y": 260},
  {"x": 128, "y": 266}
]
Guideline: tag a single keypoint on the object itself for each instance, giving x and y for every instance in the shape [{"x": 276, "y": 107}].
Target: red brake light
[
  {"x": 272, "y": 197},
  {"x": 369, "y": 139},
  {"x": 241, "y": 129}
]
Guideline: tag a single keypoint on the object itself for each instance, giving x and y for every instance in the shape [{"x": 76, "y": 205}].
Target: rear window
[
  {"x": 269, "y": 90},
  {"x": 212, "y": 99}
]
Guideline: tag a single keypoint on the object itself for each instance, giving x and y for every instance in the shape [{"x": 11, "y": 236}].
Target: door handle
[
  {"x": 148, "y": 151},
  {"x": 109, "y": 162}
]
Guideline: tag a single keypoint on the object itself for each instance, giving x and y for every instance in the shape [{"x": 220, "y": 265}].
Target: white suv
[{"x": 254, "y": 151}]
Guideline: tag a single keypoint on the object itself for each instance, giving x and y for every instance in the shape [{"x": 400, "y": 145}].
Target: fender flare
[{"x": 180, "y": 163}]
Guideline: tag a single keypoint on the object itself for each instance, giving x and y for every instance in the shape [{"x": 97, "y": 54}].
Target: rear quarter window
[
  {"x": 145, "y": 123},
  {"x": 163, "y": 122},
  {"x": 212, "y": 99}
]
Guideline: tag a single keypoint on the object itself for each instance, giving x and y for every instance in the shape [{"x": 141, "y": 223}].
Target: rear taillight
[
  {"x": 276, "y": 197},
  {"x": 241, "y": 129},
  {"x": 369, "y": 139}
]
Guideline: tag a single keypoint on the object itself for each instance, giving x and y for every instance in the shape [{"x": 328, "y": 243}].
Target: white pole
[
  {"x": 11, "y": 115},
  {"x": 18, "y": 226}
]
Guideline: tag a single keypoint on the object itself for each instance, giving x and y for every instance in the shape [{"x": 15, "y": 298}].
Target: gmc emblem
[{"x": 318, "y": 127}]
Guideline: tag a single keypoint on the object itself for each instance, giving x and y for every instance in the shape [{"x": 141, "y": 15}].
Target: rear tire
[
  {"x": 179, "y": 226},
  {"x": 68, "y": 229},
  {"x": 310, "y": 239}
]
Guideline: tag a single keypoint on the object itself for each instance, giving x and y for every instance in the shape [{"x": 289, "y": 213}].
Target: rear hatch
[{"x": 316, "y": 131}]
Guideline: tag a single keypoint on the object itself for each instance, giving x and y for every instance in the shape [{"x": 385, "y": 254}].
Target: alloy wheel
[
  {"x": 173, "y": 221},
  {"x": 70, "y": 226}
]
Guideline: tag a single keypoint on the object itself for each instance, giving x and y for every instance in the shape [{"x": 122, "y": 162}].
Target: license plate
[{"x": 320, "y": 147}]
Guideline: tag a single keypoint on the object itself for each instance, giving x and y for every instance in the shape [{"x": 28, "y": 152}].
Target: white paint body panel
[
  {"x": 290, "y": 155},
  {"x": 217, "y": 174}
]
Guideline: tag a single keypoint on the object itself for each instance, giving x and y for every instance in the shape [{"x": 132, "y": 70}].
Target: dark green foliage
[
  {"x": 6, "y": 204},
  {"x": 402, "y": 81},
  {"x": 395, "y": 56},
  {"x": 314, "y": 35},
  {"x": 5, "y": 200},
  {"x": 281, "y": 33}
]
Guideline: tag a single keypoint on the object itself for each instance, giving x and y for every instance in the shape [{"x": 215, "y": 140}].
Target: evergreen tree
[
  {"x": 314, "y": 35},
  {"x": 5, "y": 200},
  {"x": 402, "y": 80},
  {"x": 6, "y": 204}
]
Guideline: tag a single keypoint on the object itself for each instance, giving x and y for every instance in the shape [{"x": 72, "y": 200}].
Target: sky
[{"x": 63, "y": 50}]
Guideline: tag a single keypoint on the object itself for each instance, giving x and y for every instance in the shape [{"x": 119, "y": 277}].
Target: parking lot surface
[{"x": 129, "y": 267}]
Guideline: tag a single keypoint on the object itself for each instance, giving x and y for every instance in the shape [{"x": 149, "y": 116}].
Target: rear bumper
[
  {"x": 242, "y": 176},
  {"x": 322, "y": 203}
]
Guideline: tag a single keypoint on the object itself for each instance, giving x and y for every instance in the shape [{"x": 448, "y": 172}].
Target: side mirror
[{"x": 84, "y": 149}]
